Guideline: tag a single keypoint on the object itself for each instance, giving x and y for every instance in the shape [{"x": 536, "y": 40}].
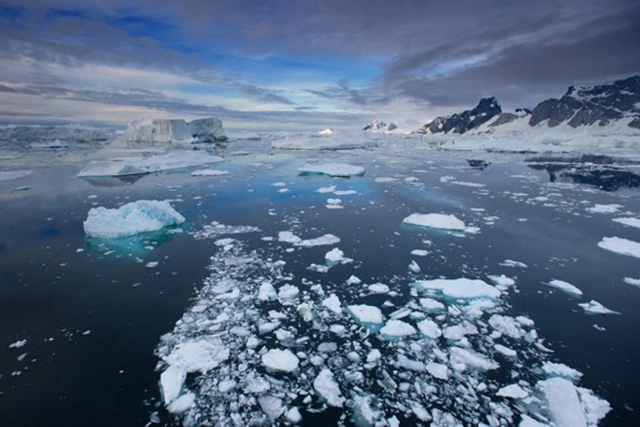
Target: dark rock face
[
  {"x": 503, "y": 119},
  {"x": 478, "y": 164},
  {"x": 588, "y": 105},
  {"x": 380, "y": 126},
  {"x": 486, "y": 109}
]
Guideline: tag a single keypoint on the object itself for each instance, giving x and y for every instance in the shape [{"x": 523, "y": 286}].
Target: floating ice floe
[
  {"x": 613, "y": 208},
  {"x": 620, "y": 246},
  {"x": 216, "y": 229},
  {"x": 280, "y": 360},
  {"x": 419, "y": 252},
  {"x": 366, "y": 314},
  {"x": 8, "y": 175},
  {"x": 565, "y": 287},
  {"x": 140, "y": 165},
  {"x": 459, "y": 288},
  {"x": 397, "y": 329},
  {"x": 561, "y": 370},
  {"x": 631, "y": 222},
  {"x": 130, "y": 219},
  {"x": 341, "y": 170},
  {"x": 594, "y": 307},
  {"x": 439, "y": 221},
  {"x": 513, "y": 263},
  {"x": 513, "y": 391},
  {"x": 209, "y": 172},
  {"x": 632, "y": 281},
  {"x": 336, "y": 256},
  {"x": 328, "y": 388}
]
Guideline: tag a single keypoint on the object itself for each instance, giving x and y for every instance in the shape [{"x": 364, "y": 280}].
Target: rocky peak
[
  {"x": 486, "y": 109},
  {"x": 589, "y": 105}
]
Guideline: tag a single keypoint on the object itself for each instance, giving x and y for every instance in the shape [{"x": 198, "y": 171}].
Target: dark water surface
[{"x": 92, "y": 318}]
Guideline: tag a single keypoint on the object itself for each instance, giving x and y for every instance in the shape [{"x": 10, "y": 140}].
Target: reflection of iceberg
[
  {"x": 136, "y": 245},
  {"x": 114, "y": 181}
]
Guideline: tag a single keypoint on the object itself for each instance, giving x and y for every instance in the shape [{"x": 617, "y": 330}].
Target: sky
[{"x": 302, "y": 65}]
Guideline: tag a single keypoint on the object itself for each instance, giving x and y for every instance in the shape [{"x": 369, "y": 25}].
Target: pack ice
[
  {"x": 133, "y": 218},
  {"x": 448, "y": 353}
]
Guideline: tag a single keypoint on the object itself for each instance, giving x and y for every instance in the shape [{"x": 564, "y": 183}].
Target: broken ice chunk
[
  {"x": 367, "y": 315},
  {"x": 414, "y": 267},
  {"x": 459, "y": 288},
  {"x": 561, "y": 370},
  {"x": 620, "y": 246},
  {"x": 182, "y": 403},
  {"x": 429, "y": 329},
  {"x": 171, "y": 381},
  {"x": 199, "y": 355},
  {"x": 438, "y": 370},
  {"x": 397, "y": 329},
  {"x": 565, "y": 287},
  {"x": 343, "y": 170},
  {"x": 514, "y": 391},
  {"x": 333, "y": 304},
  {"x": 272, "y": 406},
  {"x": 327, "y": 387},
  {"x": 594, "y": 307},
  {"x": 336, "y": 256},
  {"x": 280, "y": 360}
]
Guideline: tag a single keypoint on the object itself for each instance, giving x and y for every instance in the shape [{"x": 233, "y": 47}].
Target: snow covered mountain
[
  {"x": 486, "y": 109},
  {"x": 612, "y": 105},
  {"x": 589, "y": 105},
  {"x": 379, "y": 126}
]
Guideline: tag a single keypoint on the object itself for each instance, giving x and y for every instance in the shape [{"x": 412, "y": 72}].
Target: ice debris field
[{"x": 268, "y": 341}]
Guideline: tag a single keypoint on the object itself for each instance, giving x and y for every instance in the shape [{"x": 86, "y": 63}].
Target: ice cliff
[{"x": 162, "y": 131}]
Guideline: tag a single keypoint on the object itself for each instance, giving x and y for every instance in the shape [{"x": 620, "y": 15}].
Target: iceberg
[
  {"x": 133, "y": 218},
  {"x": 280, "y": 360},
  {"x": 565, "y": 287},
  {"x": 594, "y": 307},
  {"x": 397, "y": 329},
  {"x": 341, "y": 170},
  {"x": 366, "y": 314},
  {"x": 162, "y": 131}
]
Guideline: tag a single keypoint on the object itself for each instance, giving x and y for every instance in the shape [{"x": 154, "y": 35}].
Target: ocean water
[{"x": 93, "y": 314}]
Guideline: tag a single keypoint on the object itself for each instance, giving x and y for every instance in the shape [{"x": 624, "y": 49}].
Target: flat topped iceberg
[
  {"x": 175, "y": 130},
  {"x": 620, "y": 246},
  {"x": 342, "y": 170},
  {"x": 133, "y": 218},
  {"x": 439, "y": 221},
  {"x": 459, "y": 288}
]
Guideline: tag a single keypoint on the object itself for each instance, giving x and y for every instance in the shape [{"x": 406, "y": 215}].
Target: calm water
[{"x": 92, "y": 313}]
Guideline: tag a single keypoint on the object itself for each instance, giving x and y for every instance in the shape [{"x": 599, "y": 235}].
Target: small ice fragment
[
  {"x": 272, "y": 406},
  {"x": 505, "y": 350},
  {"x": 327, "y": 387},
  {"x": 419, "y": 252},
  {"x": 333, "y": 304},
  {"x": 288, "y": 237},
  {"x": 397, "y": 329},
  {"x": 327, "y": 239},
  {"x": 565, "y": 287},
  {"x": 366, "y": 314},
  {"x": 209, "y": 172},
  {"x": 513, "y": 391},
  {"x": 429, "y": 329},
  {"x": 472, "y": 359},
  {"x": 226, "y": 385},
  {"x": 439, "y": 221},
  {"x": 21, "y": 357},
  {"x": 336, "y": 256},
  {"x": 288, "y": 292},
  {"x": 438, "y": 370},
  {"x": 613, "y": 208},
  {"x": 373, "y": 355},
  {"x": 181, "y": 404},
  {"x": 563, "y": 402},
  {"x": 512, "y": 263},
  {"x": 430, "y": 305},
  {"x": 632, "y": 281},
  {"x": 414, "y": 267},
  {"x": 332, "y": 169},
  {"x": 502, "y": 280},
  {"x": 280, "y": 360},
  {"x": 267, "y": 292},
  {"x": 594, "y": 307},
  {"x": 631, "y": 222},
  {"x": 378, "y": 288},
  {"x": 329, "y": 189},
  {"x": 620, "y": 246},
  {"x": 561, "y": 370},
  {"x": 353, "y": 280},
  {"x": 293, "y": 415},
  {"x": 171, "y": 381},
  {"x": 459, "y": 288},
  {"x": 151, "y": 264},
  {"x": 18, "y": 344}
]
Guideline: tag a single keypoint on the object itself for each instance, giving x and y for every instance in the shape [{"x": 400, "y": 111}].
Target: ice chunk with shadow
[
  {"x": 182, "y": 404},
  {"x": 171, "y": 381},
  {"x": 594, "y": 307},
  {"x": 561, "y": 370},
  {"x": 367, "y": 315},
  {"x": 395, "y": 329},
  {"x": 327, "y": 387},
  {"x": 565, "y": 287},
  {"x": 365, "y": 409},
  {"x": 280, "y": 360},
  {"x": 461, "y": 288},
  {"x": 620, "y": 246},
  {"x": 130, "y": 219}
]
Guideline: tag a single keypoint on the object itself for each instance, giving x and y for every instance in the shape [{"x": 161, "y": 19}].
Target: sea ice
[
  {"x": 280, "y": 360},
  {"x": 414, "y": 267},
  {"x": 7, "y": 175},
  {"x": 563, "y": 402},
  {"x": 366, "y": 314},
  {"x": 327, "y": 387},
  {"x": 171, "y": 381},
  {"x": 440, "y": 221},
  {"x": 594, "y": 307},
  {"x": 561, "y": 370},
  {"x": 326, "y": 240},
  {"x": 378, "y": 288},
  {"x": 181, "y": 404},
  {"x": 333, "y": 304},
  {"x": 419, "y": 252},
  {"x": 137, "y": 165},
  {"x": 502, "y": 280},
  {"x": 342, "y": 170},
  {"x": 429, "y": 329},
  {"x": 397, "y": 329},
  {"x": 336, "y": 256},
  {"x": 209, "y": 172},
  {"x": 621, "y": 246},
  {"x": 513, "y": 391},
  {"x": 199, "y": 355},
  {"x": 438, "y": 370},
  {"x": 132, "y": 218},
  {"x": 631, "y": 222},
  {"x": 470, "y": 358},
  {"x": 18, "y": 344},
  {"x": 613, "y": 208},
  {"x": 632, "y": 281},
  {"x": 271, "y": 406},
  {"x": 512, "y": 263},
  {"x": 565, "y": 287},
  {"x": 505, "y": 350},
  {"x": 459, "y": 288}
]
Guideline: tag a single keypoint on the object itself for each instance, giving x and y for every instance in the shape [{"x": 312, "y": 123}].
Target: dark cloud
[{"x": 438, "y": 55}]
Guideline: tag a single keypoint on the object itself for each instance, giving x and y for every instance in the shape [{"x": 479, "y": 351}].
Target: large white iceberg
[
  {"x": 133, "y": 218},
  {"x": 433, "y": 220},
  {"x": 164, "y": 131}
]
